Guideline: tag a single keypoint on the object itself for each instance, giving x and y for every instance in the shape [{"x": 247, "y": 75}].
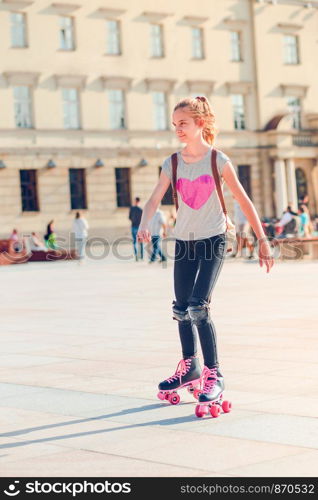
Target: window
[
  {"x": 238, "y": 111},
  {"x": 156, "y": 37},
  {"x": 116, "y": 109},
  {"x": 291, "y": 53},
  {"x": 197, "y": 43},
  {"x": 244, "y": 175},
  {"x": 77, "y": 188},
  {"x": 236, "y": 50},
  {"x": 18, "y": 29},
  {"x": 167, "y": 197},
  {"x": 113, "y": 38},
  {"x": 123, "y": 187},
  {"x": 71, "y": 108},
  {"x": 22, "y": 106},
  {"x": 28, "y": 184},
  {"x": 294, "y": 107},
  {"x": 160, "y": 110},
  {"x": 67, "y": 33}
]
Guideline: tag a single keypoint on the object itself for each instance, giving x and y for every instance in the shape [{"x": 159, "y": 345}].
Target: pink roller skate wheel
[
  {"x": 174, "y": 398},
  {"x": 215, "y": 411},
  {"x": 161, "y": 396},
  {"x": 226, "y": 406},
  {"x": 201, "y": 410}
]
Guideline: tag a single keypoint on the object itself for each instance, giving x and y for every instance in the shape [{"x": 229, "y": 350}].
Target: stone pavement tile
[
  {"x": 247, "y": 399},
  {"x": 295, "y": 405},
  {"x": 13, "y": 450},
  {"x": 98, "y": 434},
  {"x": 81, "y": 463},
  {"x": 269, "y": 428},
  {"x": 309, "y": 369},
  {"x": 22, "y": 360},
  {"x": 215, "y": 453},
  {"x": 38, "y": 378},
  {"x": 277, "y": 385},
  {"x": 266, "y": 352},
  {"x": 15, "y": 422},
  {"x": 300, "y": 465},
  {"x": 62, "y": 402},
  {"x": 16, "y": 391}
]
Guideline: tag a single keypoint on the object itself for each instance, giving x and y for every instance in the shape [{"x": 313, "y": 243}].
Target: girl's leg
[
  {"x": 211, "y": 252},
  {"x": 185, "y": 270}
]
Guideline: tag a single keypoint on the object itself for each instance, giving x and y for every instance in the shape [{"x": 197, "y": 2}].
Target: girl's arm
[
  {"x": 151, "y": 206},
  {"x": 249, "y": 210}
]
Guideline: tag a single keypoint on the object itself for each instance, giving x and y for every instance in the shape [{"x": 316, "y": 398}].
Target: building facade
[{"x": 87, "y": 90}]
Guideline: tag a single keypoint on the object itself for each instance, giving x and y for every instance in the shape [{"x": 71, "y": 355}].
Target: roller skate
[
  {"x": 187, "y": 374},
  {"x": 211, "y": 394}
]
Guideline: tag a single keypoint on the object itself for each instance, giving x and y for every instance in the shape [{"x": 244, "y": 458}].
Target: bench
[
  {"x": 8, "y": 255},
  {"x": 43, "y": 256},
  {"x": 296, "y": 248}
]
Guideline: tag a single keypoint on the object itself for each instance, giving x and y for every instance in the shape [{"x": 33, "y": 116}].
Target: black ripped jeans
[{"x": 197, "y": 266}]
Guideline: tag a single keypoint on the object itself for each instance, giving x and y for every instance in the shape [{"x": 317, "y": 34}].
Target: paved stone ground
[{"x": 84, "y": 347}]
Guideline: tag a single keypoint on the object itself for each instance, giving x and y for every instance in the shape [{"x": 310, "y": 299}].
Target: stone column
[
  {"x": 291, "y": 184},
  {"x": 280, "y": 187},
  {"x": 314, "y": 176}
]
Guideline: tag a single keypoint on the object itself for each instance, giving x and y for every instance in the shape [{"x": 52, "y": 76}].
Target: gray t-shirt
[{"x": 200, "y": 213}]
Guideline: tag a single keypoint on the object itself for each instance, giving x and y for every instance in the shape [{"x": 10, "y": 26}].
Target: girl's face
[{"x": 186, "y": 128}]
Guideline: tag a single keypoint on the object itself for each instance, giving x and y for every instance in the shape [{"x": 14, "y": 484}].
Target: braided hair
[{"x": 199, "y": 107}]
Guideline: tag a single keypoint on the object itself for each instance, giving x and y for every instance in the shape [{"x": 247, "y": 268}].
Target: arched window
[{"x": 301, "y": 182}]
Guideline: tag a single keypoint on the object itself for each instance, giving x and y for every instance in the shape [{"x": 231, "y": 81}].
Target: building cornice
[
  {"x": 116, "y": 82},
  {"x": 160, "y": 84},
  {"x": 239, "y": 87},
  {"x": 109, "y": 13},
  {"x": 154, "y": 17},
  {"x": 290, "y": 89},
  {"x": 77, "y": 81},
  {"x": 15, "y": 4},
  {"x": 194, "y": 20},
  {"x": 205, "y": 86},
  {"x": 27, "y": 78},
  {"x": 233, "y": 23},
  {"x": 290, "y": 26},
  {"x": 63, "y": 8}
]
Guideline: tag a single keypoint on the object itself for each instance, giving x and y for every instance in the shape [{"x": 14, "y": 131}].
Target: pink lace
[
  {"x": 182, "y": 368},
  {"x": 209, "y": 379}
]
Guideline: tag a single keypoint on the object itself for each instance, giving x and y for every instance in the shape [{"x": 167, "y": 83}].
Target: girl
[{"x": 200, "y": 233}]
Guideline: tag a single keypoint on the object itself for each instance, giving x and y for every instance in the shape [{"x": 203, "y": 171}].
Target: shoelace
[
  {"x": 209, "y": 379},
  {"x": 182, "y": 368}
]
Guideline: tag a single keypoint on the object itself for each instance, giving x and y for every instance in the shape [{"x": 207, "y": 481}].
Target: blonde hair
[{"x": 199, "y": 107}]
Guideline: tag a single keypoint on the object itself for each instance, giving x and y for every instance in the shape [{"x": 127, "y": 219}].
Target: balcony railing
[{"x": 305, "y": 140}]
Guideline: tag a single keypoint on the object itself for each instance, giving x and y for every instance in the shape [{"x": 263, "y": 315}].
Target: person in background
[
  {"x": 157, "y": 223},
  {"x": 242, "y": 227},
  {"x": 288, "y": 222},
  {"x": 50, "y": 236},
  {"x": 80, "y": 231},
  {"x": 304, "y": 230},
  {"x": 35, "y": 243},
  {"x": 15, "y": 240},
  {"x": 135, "y": 213}
]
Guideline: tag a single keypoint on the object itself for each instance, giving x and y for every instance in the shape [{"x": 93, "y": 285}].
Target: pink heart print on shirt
[{"x": 196, "y": 193}]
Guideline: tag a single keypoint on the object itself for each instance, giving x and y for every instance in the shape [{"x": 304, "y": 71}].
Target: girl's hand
[
  {"x": 143, "y": 235},
  {"x": 265, "y": 254}
]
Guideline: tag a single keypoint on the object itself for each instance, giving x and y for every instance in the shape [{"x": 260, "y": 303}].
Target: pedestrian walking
[
  {"x": 80, "y": 231},
  {"x": 135, "y": 214},
  {"x": 157, "y": 226}
]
